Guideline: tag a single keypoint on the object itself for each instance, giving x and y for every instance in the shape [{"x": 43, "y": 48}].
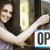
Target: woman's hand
[
  {"x": 43, "y": 19},
  {"x": 21, "y": 44}
]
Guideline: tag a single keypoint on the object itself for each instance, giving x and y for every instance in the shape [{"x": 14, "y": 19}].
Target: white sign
[{"x": 42, "y": 38}]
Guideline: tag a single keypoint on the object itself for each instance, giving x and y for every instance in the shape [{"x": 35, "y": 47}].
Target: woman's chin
[{"x": 4, "y": 21}]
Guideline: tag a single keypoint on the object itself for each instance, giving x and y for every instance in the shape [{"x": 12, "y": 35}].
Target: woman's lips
[{"x": 5, "y": 17}]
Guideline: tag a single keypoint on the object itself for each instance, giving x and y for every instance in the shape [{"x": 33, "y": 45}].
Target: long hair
[{"x": 9, "y": 24}]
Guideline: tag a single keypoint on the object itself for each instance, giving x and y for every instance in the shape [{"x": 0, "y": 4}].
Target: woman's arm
[
  {"x": 40, "y": 21},
  {"x": 10, "y": 38}
]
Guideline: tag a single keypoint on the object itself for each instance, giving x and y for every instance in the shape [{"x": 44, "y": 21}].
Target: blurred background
[
  {"x": 26, "y": 13},
  {"x": 30, "y": 10}
]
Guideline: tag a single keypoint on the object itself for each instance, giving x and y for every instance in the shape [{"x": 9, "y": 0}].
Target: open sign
[{"x": 42, "y": 38}]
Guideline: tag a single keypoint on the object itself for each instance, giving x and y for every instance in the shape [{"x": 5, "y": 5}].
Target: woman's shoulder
[
  {"x": 2, "y": 25},
  {"x": 1, "y": 28}
]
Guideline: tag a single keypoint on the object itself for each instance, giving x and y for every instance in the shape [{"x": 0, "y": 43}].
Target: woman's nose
[{"x": 8, "y": 14}]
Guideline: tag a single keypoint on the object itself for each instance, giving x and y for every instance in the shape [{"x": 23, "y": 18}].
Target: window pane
[{"x": 45, "y": 9}]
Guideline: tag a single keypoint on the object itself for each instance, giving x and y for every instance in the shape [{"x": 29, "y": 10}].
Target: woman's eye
[
  {"x": 10, "y": 12},
  {"x": 5, "y": 10}
]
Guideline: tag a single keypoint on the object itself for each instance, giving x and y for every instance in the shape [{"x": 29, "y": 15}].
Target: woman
[{"x": 6, "y": 37}]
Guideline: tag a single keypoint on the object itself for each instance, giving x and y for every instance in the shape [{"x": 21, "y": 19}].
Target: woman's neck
[{"x": 1, "y": 23}]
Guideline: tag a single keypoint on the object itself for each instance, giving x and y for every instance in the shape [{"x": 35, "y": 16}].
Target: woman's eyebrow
[{"x": 5, "y": 10}]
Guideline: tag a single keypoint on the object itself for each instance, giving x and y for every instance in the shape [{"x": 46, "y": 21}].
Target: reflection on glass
[
  {"x": 45, "y": 9},
  {"x": 46, "y": 0}
]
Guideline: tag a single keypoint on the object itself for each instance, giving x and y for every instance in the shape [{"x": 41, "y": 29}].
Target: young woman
[{"x": 6, "y": 37}]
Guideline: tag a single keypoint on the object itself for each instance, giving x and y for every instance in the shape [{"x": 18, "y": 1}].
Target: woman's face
[{"x": 6, "y": 13}]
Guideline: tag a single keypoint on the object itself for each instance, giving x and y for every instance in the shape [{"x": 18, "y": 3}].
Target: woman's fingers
[{"x": 43, "y": 19}]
